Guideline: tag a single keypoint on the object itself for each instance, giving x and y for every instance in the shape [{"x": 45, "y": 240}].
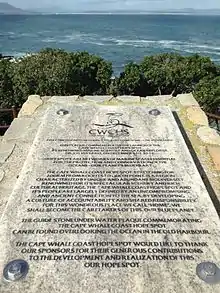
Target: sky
[{"x": 76, "y": 5}]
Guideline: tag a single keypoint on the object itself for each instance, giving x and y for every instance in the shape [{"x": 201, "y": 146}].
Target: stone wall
[{"x": 16, "y": 142}]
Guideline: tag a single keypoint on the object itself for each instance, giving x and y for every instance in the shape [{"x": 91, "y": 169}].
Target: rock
[
  {"x": 30, "y": 106},
  {"x": 63, "y": 99},
  {"x": 208, "y": 135},
  {"x": 21, "y": 128},
  {"x": 187, "y": 100},
  {"x": 159, "y": 98},
  {"x": 6, "y": 148},
  {"x": 214, "y": 152},
  {"x": 197, "y": 116}
]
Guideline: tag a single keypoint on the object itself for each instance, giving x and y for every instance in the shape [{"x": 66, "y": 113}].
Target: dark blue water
[{"x": 118, "y": 38}]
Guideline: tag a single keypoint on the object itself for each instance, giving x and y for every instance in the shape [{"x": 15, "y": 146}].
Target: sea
[{"x": 117, "y": 38}]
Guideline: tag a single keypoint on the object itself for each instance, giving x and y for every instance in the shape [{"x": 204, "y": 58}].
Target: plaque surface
[{"x": 109, "y": 200}]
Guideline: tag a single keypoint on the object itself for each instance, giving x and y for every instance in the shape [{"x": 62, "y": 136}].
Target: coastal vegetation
[{"x": 57, "y": 72}]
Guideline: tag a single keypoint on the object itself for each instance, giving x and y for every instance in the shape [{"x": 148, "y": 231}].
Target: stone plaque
[{"x": 109, "y": 200}]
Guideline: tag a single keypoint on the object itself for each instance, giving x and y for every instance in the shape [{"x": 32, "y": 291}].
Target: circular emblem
[
  {"x": 62, "y": 112},
  {"x": 15, "y": 270},
  {"x": 208, "y": 272},
  {"x": 154, "y": 112}
]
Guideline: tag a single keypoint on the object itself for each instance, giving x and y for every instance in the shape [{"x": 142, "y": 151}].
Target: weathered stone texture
[
  {"x": 214, "y": 152},
  {"x": 208, "y": 135},
  {"x": 197, "y": 116},
  {"x": 187, "y": 100},
  {"x": 30, "y": 106},
  {"x": 27, "y": 138},
  {"x": 95, "y": 148}
]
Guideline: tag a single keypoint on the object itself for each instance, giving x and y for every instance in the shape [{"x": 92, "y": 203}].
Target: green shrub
[
  {"x": 56, "y": 72},
  {"x": 172, "y": 73},
  {"x": 6, "y": 87},
  {"x": 89, "y": 74},
  {"x": 207, "y": 93},
  {"x": 132, "y": 81}
]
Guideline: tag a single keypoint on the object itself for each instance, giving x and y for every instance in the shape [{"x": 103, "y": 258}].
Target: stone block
[
  {"x": 187, "y": 100},
  {"x": 21, "y": 128},
  {"x": 130, "y": 99},
  {"x": 30, "y": 106},
  {"x": 63, "y": 99},
  {"x": 197, "y": 116},
  {"x": 161, "y": 98},
  {"x": 214, "y": 152},
  {"x": 208, "y": 135},
  {"x": 6, "y": 149},
  {"x": 109, "y": 199},
  {"x": 97, "y": 99}
]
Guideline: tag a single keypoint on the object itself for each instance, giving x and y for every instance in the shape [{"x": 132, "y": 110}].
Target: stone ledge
[
  {"x": 45, "y": 98},
  {"x": 19, "y": 129},
  {"x": 6, "y": 149},
  {"x": 187, "y": 100},
  {"x": 214, "y": 152},
  {"x": 11, "y": 168},
  {"x": 197, "y": 116},
  {"x": 97, "y": 99},
  {"x": 159, "y": 98},
  {"x": 30, "y": 106},
  {"x": 208, "y": 135},
  {"x": 130, "y": 99},
  {"x": 61, "y": 99}
]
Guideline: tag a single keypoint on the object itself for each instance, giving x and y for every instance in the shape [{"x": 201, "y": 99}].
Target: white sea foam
[
  {"x": 97, "y": 43},
  {"x": 28, "y": 35},
  {"x": 49, "y": 40},
  {"x": 207, "y": 47},
  {"x": 87, "y": 38},
  {"x": 76, "y": 37},
  {"x": 211, "y": 52},
  {"x": 180, "y": 46},
  {"x": 19, "y": 54},
  {"x": 190, "y": 47}
]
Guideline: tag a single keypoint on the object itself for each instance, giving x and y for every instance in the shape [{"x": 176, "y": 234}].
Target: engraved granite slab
[{"x": 110, "y": 201}]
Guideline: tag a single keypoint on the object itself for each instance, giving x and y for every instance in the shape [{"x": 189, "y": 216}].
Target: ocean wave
[
  {"x": 96, "y": 43},
  {"x": 28, "y": 35},
  {"x": 88, "y": 38},
  {"x": 49, "y": 40},
  {"x": 18, "y": 54},
  {"x": 69, "y": 38},
  {"x": 75, "y": 37},
  {"x": 179, "y": 46},
  {"x": 16, "y": 35},
  {"x": 172, "y": 44},
  {"x": 207, "y": 47},
  {"x": 7, "y": 33},
  {"x": 211, "y": 52},
  {"x": 124, "y": 42}
]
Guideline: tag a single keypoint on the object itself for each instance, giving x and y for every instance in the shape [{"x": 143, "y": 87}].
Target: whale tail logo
[{"x": 114, "y": 126}]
